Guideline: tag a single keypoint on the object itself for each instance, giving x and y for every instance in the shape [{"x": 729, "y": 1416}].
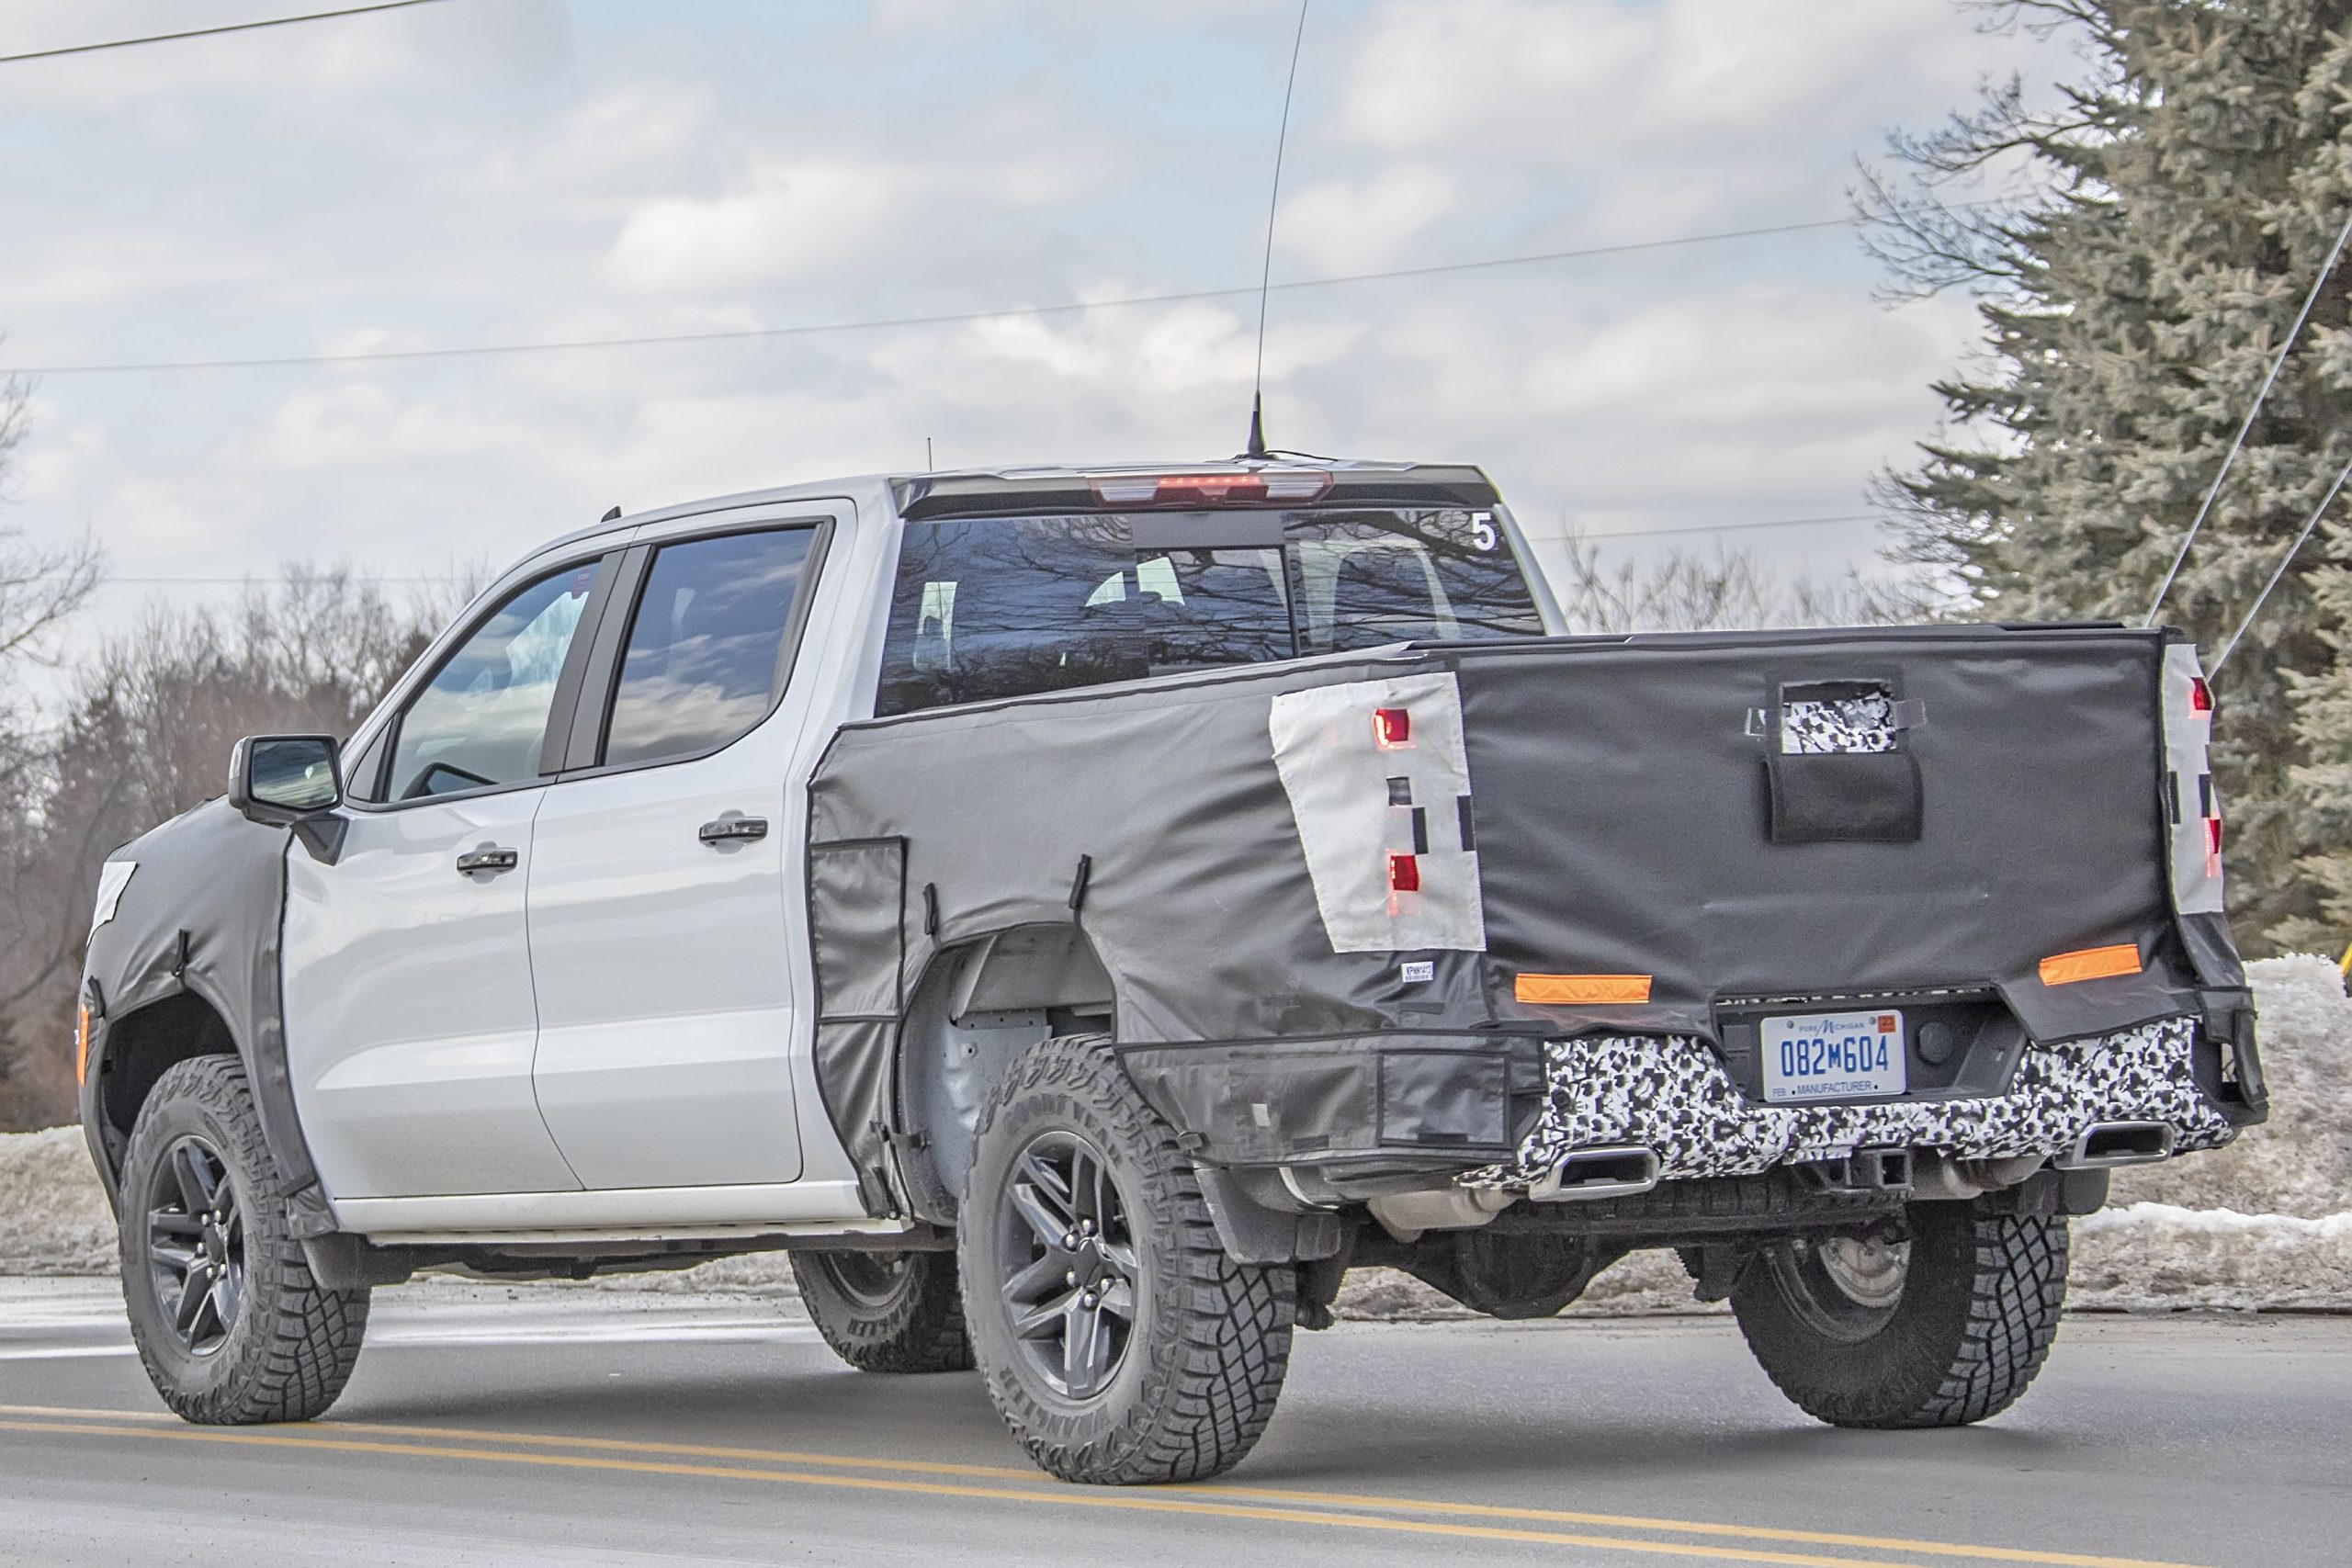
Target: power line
[
  {"x": 948, "y": 318},
  {"x": 210, "y": 32},
  {"x": 2275, "y": 365},
  {"x": 1708, "y": 527},
  {"x": 2309, "y": 528},
  {"x": 256, "y": 580},
  {"x": 1533, "y": 538}
]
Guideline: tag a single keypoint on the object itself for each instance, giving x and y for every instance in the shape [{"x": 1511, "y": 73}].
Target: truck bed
[{"x": 1644, "y": 838}]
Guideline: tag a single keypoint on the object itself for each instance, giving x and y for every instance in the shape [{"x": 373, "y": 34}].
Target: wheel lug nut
[
  {"x": 1070, "y": 1278},
  {"x": 1069, "y": 1239}
]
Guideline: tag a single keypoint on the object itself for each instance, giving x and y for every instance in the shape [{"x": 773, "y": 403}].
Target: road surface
[{"x": 577, "y": 1425}]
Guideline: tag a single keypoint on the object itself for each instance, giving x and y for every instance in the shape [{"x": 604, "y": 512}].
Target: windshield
[{"x": 1001, "y": 606}]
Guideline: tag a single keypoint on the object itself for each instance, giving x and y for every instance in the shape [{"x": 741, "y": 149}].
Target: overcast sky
[{"x": 496, "y": 172}]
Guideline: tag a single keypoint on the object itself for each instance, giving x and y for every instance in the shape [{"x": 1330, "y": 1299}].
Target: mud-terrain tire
[
  {"x": 887, "y": 1311},
  {"x": 1178, "y": 1373},
  {"x": 1978, "y": 1304},
  {"x": 203, "y": 1222}
]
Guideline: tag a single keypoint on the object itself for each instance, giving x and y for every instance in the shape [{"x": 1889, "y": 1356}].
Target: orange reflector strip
[
  {"x": 2089, "y": 963},
  {"x": 1570, "y": 990},
  {"x": 81, "y": 1045}
]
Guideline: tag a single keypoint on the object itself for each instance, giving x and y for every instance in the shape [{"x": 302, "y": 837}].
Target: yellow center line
[
  {"x": 1267, "y": 1494},
  {"x": 1690, "y": 1526},
  {"x": 1072, "y": 1497}
]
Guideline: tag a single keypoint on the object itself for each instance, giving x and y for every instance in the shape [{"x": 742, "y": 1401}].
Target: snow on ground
[
  {"x": 2264, "y": 1224},
  {"x": 53, "y": 1216}
]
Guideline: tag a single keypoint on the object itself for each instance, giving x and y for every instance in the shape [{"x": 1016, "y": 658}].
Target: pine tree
[{"x": 2186, "y": 190}]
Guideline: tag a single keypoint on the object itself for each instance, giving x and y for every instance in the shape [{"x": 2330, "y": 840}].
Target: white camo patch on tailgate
[{"x": 1359, "y": 803}]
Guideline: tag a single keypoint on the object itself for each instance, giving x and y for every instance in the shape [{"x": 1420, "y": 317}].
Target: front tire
[
  {"x": 1121, "y": 1345},
  {"x": 229, "y": 1325},
  {"x": 1944, "y": 1329},
  {"x": 887, "y": 1311}
]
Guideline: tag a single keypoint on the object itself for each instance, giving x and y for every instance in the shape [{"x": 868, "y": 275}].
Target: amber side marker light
[
  {"x": 81, "y": 1045},
  {"x": 2089, "y": 963},
  {"x": 1572, "y": 991}
]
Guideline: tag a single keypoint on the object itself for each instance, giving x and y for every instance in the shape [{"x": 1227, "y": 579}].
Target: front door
[
  {"x": 661, "y": 911},
  {"x": 410, "y": 1015}
]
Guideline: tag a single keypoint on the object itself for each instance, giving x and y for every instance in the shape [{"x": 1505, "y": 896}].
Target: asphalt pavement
[{"x": 492, "y": 1425}]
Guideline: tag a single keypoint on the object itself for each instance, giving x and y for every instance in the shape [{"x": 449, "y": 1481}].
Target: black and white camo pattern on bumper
[{"x": 1671, "y": 1094}]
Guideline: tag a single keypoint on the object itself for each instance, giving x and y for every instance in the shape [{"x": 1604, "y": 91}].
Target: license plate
[{"x": 1837, "y": 1056}]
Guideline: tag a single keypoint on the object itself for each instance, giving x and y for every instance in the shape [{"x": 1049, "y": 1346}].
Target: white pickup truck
[{"x": 1081, "y": 914}]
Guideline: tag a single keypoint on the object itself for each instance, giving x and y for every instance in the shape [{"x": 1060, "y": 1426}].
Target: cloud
[
  {"x": 527, "y": 173},
  {"x": 785, "y": 222},
  {"x": 1339, "y": 226}
]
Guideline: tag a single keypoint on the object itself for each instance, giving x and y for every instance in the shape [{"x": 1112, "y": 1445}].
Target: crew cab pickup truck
[{"x": 1082, "y": 914}]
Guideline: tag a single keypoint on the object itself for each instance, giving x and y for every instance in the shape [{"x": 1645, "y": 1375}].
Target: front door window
[{"x": 480, "y": 722}]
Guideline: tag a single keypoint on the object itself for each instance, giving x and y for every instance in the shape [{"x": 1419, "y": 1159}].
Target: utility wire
[
  {"x": 210, "y": 32},
  {"x": 1707, "y": 527},
  {"x": 2309, "y": 528},
  {"x": 1536, "y": 539},
  {"x": 2275, "y": 365},
  {"x": 949, "y": 319}
]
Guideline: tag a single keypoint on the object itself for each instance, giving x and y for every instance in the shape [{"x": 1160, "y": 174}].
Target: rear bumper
[
  {"x": 1403, "y": 1112},
  {"x": 1671, "y": 1095}
]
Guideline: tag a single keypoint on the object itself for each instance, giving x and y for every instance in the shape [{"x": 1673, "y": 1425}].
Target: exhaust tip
[
  {"x": 2110, "y": 1143},
  {"x": 1587, "y": 1174}
]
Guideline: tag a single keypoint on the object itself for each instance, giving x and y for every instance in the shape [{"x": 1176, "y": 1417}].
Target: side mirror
[{"x": 291, "y": 781}]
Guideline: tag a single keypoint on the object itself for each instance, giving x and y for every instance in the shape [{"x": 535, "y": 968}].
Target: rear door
[{"x": 663, "y": 896}]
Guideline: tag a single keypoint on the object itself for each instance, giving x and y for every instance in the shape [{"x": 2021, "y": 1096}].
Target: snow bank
[
  {"x": 53, "y": 1214},
  {"x": 2264, "y": 1224},
  {"x": 2157, "y": 1258},
  {"x": 2299, "y": 1162}
]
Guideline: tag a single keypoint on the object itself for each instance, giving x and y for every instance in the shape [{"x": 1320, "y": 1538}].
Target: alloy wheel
[
  {"x": 1070, "y": 1265},
  {"x": 195, "y": 1244},
  {"x": 873, "y": 1279},
  {"x": 1844, "y": 1288}
]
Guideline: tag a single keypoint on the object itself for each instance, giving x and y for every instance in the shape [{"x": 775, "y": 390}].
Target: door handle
[
  {"x": 491, "y": 858},
  {"x": 732, "y": 830}
]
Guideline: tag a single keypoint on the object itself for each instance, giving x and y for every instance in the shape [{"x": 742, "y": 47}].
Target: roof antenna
[{"x": 1265, "y": 275}]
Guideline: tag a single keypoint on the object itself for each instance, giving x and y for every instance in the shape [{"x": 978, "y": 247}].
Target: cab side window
[
  {"x": 706, "y": 653},
  {"x": 480, "y": 722}
]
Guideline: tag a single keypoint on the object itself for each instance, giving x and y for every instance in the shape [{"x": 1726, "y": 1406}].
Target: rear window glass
[
  {"x": 1003, "y": 607},
  {"x": 706, "y": 650}
]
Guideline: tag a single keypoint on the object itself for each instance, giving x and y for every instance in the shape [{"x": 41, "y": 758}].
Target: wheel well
[
  {"x": 977, "y": 1006},
  {"x": 142, "y": 1046}
]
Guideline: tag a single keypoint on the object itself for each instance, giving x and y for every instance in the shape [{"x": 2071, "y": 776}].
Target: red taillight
[
  {"x": 2200, "y": 695},
  {"x": 1391, "y": 727},
  {"x": 1404, "y": 874},
  {"x": 2212, "y": 846},
  {"x": 1251, "y": 485}
]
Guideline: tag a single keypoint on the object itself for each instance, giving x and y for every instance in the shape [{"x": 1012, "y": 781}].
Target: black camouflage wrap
[
  {"x": 1816, "y": 815},
  {"x": 203, "y": 915}
]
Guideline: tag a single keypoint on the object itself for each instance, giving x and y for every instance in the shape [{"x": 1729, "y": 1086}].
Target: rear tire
[
  {"x": 229, "y": 1325},
  {"x": 887, "y": 1311},
  {"x": 1947, "y": 1331},
  {"x": 1121, "y": 1345}
]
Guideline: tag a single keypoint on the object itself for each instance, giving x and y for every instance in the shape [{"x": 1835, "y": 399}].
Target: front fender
[{"x": 202, "y": 915}]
